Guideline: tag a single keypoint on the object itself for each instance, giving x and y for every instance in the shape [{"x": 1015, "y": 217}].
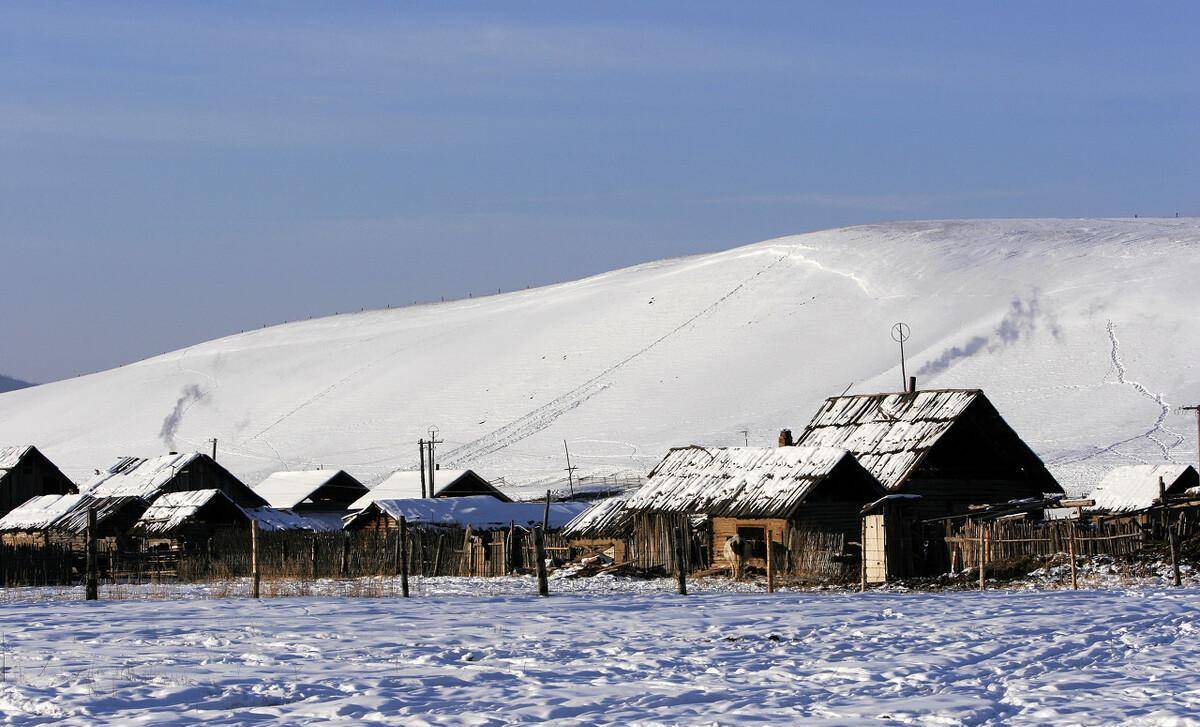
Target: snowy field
[{"x": 644, "y": 656}]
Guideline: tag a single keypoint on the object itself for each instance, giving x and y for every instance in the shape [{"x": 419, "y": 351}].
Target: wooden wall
[{"x": 34, "y": 475}]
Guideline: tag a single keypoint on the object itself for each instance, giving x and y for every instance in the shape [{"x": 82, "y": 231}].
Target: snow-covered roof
[
  {"x": 11, "y": 456},
  {"x": 1135, "y": 487},
  {"x": 40, "y": 512},
  {"x": 137, "y": 477},
  {"x": 406, "y": 485},
  {"x": 173, "y": 509},
  {"x": 271, "y": 519},
  {"x": 732, "y": 481},
  {"x": 480, "y": 512},
  {"x": 607, "y": 517},
  {"x": 67, "y": 513},
  {"x": 289, "y": 489}
]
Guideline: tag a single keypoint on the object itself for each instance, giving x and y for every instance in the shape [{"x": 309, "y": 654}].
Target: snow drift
[{"x": 1082, "y": 332}]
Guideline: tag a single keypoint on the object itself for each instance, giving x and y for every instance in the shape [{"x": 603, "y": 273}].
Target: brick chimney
[
  {"x": 912, "y": 384},
  {"x": 785, "y": 438}
]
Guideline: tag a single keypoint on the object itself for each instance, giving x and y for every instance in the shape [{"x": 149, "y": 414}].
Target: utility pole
[
  {"x": 570, "y": 470},
  {"x": 421, "y": 442},
  {"x": 746, "y": 436},
  {"x": 433, "y": 442},
  {"x": 1197, "y": 410}
]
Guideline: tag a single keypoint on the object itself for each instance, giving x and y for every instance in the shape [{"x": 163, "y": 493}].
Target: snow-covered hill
[{"x": 1083, "y": 332}]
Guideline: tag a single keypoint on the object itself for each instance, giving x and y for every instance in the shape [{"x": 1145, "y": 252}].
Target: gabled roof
[
  {"x": 67, "y": 513},
  {"x": 271, "y": 519},
  {"x": 604, "y": 518},
  {"x": 137, "y": 476},
  {"x": 890, "y": 434},
  {"x": 148, "y": 478},
  {"x": 1135, "y": 487},
  {"x": 406, "y": 485},
  {"x": 739, "y": 481},
  {"x": 40, "y": 512},
  {"x": 480, "y": 512},
  {"x": 289, "y": 489},
  {"x": 172, "y": 510},
  {"x": 10, "y": 457}
]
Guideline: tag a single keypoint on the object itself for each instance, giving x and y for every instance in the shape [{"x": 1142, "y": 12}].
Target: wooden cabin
[
  {"x": 950, "y": 446},
  {"x": 26, "y": 473},
  {"x": 324, "y": 495},
  {"x": 63, "y": 519},
  {"x": 801, "y": 498},
  {"x": 412, "y": 485},
  {"x": 603, "y": 529},
  {"x": 188, "y": 518},
  {"x": 149, "y": 478}
]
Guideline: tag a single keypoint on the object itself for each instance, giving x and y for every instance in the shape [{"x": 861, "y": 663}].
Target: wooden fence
[{"x": 1012, "y": 539}]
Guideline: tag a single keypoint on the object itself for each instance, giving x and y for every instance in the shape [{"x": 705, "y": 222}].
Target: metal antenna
[
  {"x": 901, "y": 333},
  {"x": 570, "y": 469},
  {"x": 1197, "y": 410}
]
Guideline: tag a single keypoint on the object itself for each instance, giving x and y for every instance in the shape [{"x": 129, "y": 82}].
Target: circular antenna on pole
[
  {"x": 433, "y": 432},
  {"x": 901, "y": 332}
]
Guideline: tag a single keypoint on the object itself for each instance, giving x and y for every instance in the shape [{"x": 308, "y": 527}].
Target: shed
[
  {"x": 25, "y": 473},
  {"x": 63, "y": 518},
  {"x": 406, "y": 485},
  {"x": 1135, "y": 487},
  {"x": 479, "y": 512},
  {"x": 750, "y": 492},
  {"x": 149, "y": 478},
  {"x": 887, "y": 539},
  {"x": 605, "y": 527},
  {"x": 190, "y": 515},
  {"x": 305, "y": 491},
  {"x": 951, "y": 446}
]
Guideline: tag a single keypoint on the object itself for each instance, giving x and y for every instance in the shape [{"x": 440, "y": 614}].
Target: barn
[
  {"x": 410, "y": 485},
  {"x": 802, "y": 498},
  {"x": 324, "y": 495},
  {"x": 174, "y": 472},
  {"x": 950, "y": 446},
  {"x": 25, "y": 473}
]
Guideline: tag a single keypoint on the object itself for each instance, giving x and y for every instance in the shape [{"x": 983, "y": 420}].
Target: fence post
[
  {"x": 1071, "y": 553},
  {"x": 344, "y": 561},
  {"x": 255, "y": 577},
  {"x": 770, "y": 563},
  {"x": 511, "y": 550},
  {"x": 92, "y": 584},
  {"x": 402, "y": 540},
  {"x": 312, "y": 556},
  {"x": 862, "y": 556},
  {"x": 982, "y": 557},
  {"x": 680, "y": 563},
  {"x": 539, "y": 548}
]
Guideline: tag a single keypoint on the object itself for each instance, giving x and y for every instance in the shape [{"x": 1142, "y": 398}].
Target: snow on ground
[
  {"x": 1083, "y": 332},
  {"x": 644, "y": 656}
]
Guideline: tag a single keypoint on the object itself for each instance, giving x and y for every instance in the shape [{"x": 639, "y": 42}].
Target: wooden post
[
  {"x": 397, "y": 558},
  {"x": 437, "y": 555},
  {"x": 539, "y": 547},
  {"x": 680, "y": 563},
  {"x": 1071, "y": 553},
  {"x": 982, "y": 557},
  {"x": 402, "y": 539},
  {"x": 92, "y": 584},
  {"x": 546, "y": 513},
  {"x": 862, "y": 560},
  {"x": 511, "y": 565},
  {"x": 344, "y": 560},
  {"x": 770, "y": 563},
  {"x": 312, "y": 556},
  {"x": 255, "y": 576},
  {"x": 1172, "y": 541}
]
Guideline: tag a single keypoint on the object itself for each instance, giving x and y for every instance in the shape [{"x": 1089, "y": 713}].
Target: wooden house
[
  {"x": 314, "y": 494},
  {"x": 63, "y": 519},
  {"x": 603, "y": 529},
  {"x": 950, "y": 446},
  {"x": 26, "y": 473},
  {"x": 1135, "y": 488},
  {"x": 802, "y": 498},
  {"x": 188, "y": 518},
  {"x": 149, "y": 478},
  {"x": 410, "y": 485}
]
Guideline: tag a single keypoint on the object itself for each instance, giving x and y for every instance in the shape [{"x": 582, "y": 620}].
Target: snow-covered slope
[{"x": 1083, "y": 332}]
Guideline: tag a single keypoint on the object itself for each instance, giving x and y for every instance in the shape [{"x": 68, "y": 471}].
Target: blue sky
[{"x": 174, "y": 172}]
